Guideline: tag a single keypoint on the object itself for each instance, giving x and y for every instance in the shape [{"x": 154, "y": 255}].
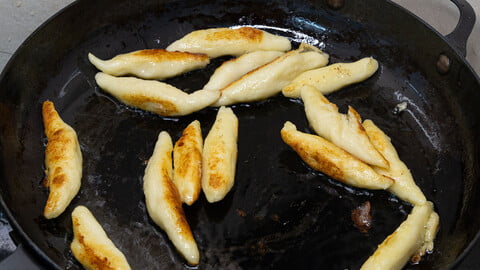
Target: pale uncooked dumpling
[
  {"x": 91, "y": 245},
  {"x": 217, "y": 42},
  {"x": 163, "y": 201},
  {"x": 151, "y": 64},
  {"x": 234, "y": 69},
  {"x": 187, "y": 163},
  {"x": 404, "y": 186},
  {"x": 330, "y": 159},
  {"x": 154, "y": 96},
  {"x": 269, "y": 79},
  {"x": 345, "y": 131},
  {"x": 412, "y": 238},
  {"x": 63, "y": 162},
  {"x": 220, "y": 156},
  {"x": 332, "y": 77}
]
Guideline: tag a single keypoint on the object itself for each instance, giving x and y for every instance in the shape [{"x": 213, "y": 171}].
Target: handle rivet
[
  {"x": 443, "y": 64},
  {"x": 335, "y": 4}
]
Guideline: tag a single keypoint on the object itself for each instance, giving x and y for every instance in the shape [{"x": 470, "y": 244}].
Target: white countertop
[{"x": 18, "y": 18}]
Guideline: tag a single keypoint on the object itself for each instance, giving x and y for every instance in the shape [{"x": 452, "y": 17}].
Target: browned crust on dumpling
[
  {"x": 92, "y": 254},
  {"x": 217, "y": 177},
  {"x": 172, "y": 198},
  {"x": 91, "y": 246},
  {"x": 162, "y": 106},
  {"x": 330, "y": 159},
  {"x": 60, "y": 155},
  {"x": 253, "y": 35},
  {"x": 187, "y": 155},
  {"x": 159, "y": 55}
]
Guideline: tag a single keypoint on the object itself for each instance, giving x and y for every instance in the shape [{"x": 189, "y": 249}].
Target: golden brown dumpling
[
  {"x": 345, "y": 131},
  {"x": 404, "y": 186},
  {"x": 269, "y": 79},
  {"x": 332, "y": 77},
  {"x": 410, "y": 239},
  {"x": 220, "y": 156},
  {"x": 154, "y": 96},
  {"x": 63, "y": 162},
  {"x": 91, "y": 245},
  {"x": 328, "y": 158},
  {"x": 151, "y": 64},
  {"x": 163, "y": 201},
  {"x": 217, "y": 42},
  {"x": 187, "y": 163}
]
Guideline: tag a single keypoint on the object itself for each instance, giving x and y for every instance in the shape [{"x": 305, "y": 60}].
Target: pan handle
[
  {"x": 20, "y": 259},
  {"x": 459, "y": 36}
]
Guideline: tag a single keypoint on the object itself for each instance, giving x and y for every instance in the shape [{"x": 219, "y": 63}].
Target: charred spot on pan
[
  {"x": 362, "y": 220},
  {"x": 241, "y": 213},
  {"x": 416, "y": 259},
  {"x": 259, "y": 248},
  {"x": 275, "y": 218}
]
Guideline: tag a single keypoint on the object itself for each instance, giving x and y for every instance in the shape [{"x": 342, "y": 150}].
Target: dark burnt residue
[{"x": 362, "y": 220}]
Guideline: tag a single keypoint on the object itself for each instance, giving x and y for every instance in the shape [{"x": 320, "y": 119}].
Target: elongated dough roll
[
  {"x": 404, "y": 186},
  {"x": 220, "y": 156},
  {"x": 151, "y": 64},
  {"x": 63, "y": 162},
  {"x": 333, "y": 77},
  {"x": 324, "y": 156},
  {"x": 91, "y": 245},
  {"x": 217, "y": 42},
  {"x": 269, "y": 79},
  {"x": 234, "y": 69},
  {"x": 187, "y": 163},
  {"x": 163, "y": 201},
  {"x": 408, "y": 240},
  {"x": 157, "y": 97},
  {"x": 345, "y": 131}
]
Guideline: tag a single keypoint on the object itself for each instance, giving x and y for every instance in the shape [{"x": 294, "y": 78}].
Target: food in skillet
[
  {"x": 220, "y": 156},
  {"x": 234, "y": 69},
  {"x": 404, "y": 186},
  {"x": 154, "y": 96},
  {"x": 332, "y": 77},
  {"x": 163, "y": 201},
  {"x": 330, "y": 159},
  {"x": 270, "y": 78},
  {"x": 240, "y": 80},
  {"x": 415, "y": 236},
  {"x": 151, "y": 64},
  {"x": 63, "y": 162},
  {"x": 187, "y": 163},
  {"x": 344, "y": 130},
  {"x": 217, "y": 42},
  {"x": 412, "y": 238},
  {"x": 91, "y": 245}
]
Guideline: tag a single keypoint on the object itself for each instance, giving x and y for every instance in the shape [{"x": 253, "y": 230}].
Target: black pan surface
[{"x": 280, "y": 214}]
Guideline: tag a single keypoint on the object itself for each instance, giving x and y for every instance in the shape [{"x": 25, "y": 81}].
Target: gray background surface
[{"x": 18, "y": 18}]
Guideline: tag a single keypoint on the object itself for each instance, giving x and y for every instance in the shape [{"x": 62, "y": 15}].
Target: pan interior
[{"x": 280, "y": 213}]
